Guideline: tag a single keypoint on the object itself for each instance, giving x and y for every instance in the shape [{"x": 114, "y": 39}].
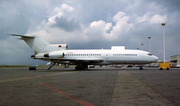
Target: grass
[
  {"x": 14, "y": 65},
  {"x": 3, "y": 66}
]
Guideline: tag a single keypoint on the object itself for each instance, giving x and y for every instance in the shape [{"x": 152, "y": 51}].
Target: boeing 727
[{"x": 58, "y": 54}]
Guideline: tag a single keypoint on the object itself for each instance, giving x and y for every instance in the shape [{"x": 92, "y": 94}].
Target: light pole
[
  {"x": 149, "y": 44},
  {"x": 163, "y": 24},
  {"x": 142, "y": 45}
]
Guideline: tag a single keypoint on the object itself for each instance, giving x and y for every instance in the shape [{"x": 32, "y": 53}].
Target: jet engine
[{"x": 57, "y": 54}]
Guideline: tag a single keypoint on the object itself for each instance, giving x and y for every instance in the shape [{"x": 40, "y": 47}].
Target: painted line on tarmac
[
  {"x": 30, "y": 77},
  {"x": 50, "y": 74},
  {"x": 84, "y": 103}
]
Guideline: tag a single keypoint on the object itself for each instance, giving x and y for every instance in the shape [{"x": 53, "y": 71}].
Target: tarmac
[{"x": 99, "y": 86}]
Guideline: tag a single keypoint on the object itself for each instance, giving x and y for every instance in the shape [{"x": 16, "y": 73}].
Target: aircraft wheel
[
  {"x": 141, "y": 68},
  {"x": 77, "y": 68},
  {"x": 81, "y": 68}
]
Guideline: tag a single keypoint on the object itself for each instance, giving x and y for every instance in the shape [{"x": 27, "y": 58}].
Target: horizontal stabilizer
[{"x": 25, "y": 36}]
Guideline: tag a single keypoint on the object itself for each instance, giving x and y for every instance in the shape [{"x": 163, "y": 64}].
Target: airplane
[{"x": 58, "y": 54}]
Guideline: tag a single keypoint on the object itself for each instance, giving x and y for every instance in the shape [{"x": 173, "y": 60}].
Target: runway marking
[
  {"x": 29, "y": 77},
  {"x": 68, "y": 96},
  {"x": 130, "y": 90}
]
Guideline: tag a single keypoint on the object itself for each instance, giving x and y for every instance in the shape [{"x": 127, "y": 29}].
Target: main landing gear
[
  {"x": 81, "y": 67},
  {"x": 141, "y": 68}
]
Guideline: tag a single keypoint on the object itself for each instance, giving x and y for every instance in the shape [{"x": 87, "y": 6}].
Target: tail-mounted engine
[{"x": 57, "y": 54}]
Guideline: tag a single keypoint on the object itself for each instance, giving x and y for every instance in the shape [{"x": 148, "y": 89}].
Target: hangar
[{"x": 175, "y": 58}]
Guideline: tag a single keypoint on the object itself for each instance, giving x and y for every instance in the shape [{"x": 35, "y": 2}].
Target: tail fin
[{"x": 37, "y": 44}]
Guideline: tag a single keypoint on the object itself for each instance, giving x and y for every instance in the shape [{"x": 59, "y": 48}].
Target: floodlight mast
[
  {"x": 163, "y": 24},
  {"x": 142, "y": 45},
  {"x": 149, "y": 44}
]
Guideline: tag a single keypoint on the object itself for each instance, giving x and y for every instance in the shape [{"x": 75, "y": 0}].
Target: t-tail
[{"x": 39, "y": 45}]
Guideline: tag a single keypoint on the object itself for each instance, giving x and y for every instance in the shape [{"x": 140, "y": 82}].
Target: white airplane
[{"x": 58, "y": 54}]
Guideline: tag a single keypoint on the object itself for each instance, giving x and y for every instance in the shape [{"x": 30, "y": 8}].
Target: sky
[{"x": 88, "y": 24}]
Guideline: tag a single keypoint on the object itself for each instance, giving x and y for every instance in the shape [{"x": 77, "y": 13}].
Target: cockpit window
[{"x": 149, "y": 54}]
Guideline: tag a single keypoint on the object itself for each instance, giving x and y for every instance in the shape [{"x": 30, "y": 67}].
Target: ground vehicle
[
  {"x": 164, "y": 66},
  {"x": 32, "y": 67}
]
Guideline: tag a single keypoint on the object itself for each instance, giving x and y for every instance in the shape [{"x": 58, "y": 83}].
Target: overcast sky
[{"x": 88, "y": 24}]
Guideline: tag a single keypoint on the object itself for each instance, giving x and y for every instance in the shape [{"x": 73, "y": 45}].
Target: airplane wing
[
  {"x": 74, "y": 61},
  {"x": 88, "y": 60},
  {"x": 96, "y": 60}
]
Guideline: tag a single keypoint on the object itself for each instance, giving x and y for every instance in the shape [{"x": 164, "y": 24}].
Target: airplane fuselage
[
  {"x": 99, "y": 57},
  {"x": 110, "y": 56}
]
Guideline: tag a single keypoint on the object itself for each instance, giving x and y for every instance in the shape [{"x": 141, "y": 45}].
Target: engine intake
[{"x": 46, "y": 55}]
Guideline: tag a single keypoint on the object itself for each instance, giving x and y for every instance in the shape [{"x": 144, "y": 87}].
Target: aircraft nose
[{"x": 155, "y": 58}]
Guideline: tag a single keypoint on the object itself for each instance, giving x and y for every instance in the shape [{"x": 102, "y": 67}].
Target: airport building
[{"x": 175, "y": 59}]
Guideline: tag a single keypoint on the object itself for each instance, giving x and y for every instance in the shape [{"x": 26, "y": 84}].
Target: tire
[
  {"x": 140, "y": 68},
  {"x": 77, "y": 68}
]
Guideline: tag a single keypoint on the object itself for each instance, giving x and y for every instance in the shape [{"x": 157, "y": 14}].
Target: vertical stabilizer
[{"x": 37, "y": 44}]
